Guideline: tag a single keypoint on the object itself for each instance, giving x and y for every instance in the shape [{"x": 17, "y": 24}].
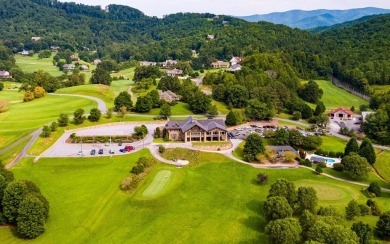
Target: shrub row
[{"x": 103, "y": 139}]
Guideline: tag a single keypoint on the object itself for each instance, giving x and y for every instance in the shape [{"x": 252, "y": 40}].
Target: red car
[{"x": 129, "y": 148}]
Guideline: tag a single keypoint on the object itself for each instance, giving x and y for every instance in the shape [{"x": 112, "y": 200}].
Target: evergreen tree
[
  {"x": 367, "y": 150},
  {"x": 320, "y": 108},
  {"x": 352, "y": 146},
  {"x": 231, "y": 119},
  {"x": 123, "y": 99}
]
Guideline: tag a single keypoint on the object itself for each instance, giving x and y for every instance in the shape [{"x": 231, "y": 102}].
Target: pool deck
[{"x": 328, "y": 164}]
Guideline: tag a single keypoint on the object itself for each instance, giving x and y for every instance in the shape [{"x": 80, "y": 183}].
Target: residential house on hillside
[
  {"x": 210, "y": 37},
  {"x": 234, "y": 68},
  {"x": 174, "y": 72},
  {"x": 235, "y": 60},
  {"x": 96, "y": 61},
  {"x": 73, "y": 57},
  {"x": 168, "y": 64},
  {"x": 196, "y": 130},
  {"x": 169, "y": 96},
  {"x": 84, "y": 67},
  {"x": 68, "y": 67},
  {"x": 24, "y": 52},
  {"x": 5, "y": 74},
  {"x": 341, "y": 114},
  {"x": 220, "y": 64},
  {"x": 54, "y": 48},
  {"x": 146, "y": 63},
  {"x": 36, "y": 38}
]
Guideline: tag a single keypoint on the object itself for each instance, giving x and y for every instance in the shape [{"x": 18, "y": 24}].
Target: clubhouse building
[{"x": 196, "y": 130}]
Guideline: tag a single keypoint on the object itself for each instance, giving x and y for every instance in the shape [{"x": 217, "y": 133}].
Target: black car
[
  {"x": 93, "y": 152},
  {"x": 100, "y": 151},
  {"x": 120, "y": 144}
]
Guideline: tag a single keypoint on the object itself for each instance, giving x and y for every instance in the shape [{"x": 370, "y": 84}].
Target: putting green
[
  {"x": 158, "y": 184},
  {"x": 329, "y": 192}
]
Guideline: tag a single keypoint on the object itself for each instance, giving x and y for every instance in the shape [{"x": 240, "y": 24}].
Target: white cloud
[{"x": 235, "y": 7}]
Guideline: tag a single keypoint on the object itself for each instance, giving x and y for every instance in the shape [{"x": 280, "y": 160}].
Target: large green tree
[
  {"x": 367, "y": 150},
  {"x": 356, "y": 166},
  {"x": 199, "y": 102},
  {"x": 165, "y": 110},
  {"x": 63, "y": 120},
  {"x": 78, "y": 116},
  {"x": 258, "y": 111},
  {"x": 123, "y": 99},
  {"x": 231, "y": 118},
  {"x": 94, "y": 115},
  {"x": 31, "y": 217},
  {"x": 253, "y": 145},
  {"x": 352, "y": 146},
  {"x": 284, "y": 188},
  {"x": 363, "y": 231},
  {"x": 311, "y": 92},
  {"x": 383, "y": 226},
  {"x": 306, "y": 199},
  {"x": 276, "y": 208},
  {"x": 352, "y": 210},
  {"x": 143, "y": 104},
  {"x": 100, "y": 76},
  {"x": 284, "y": 231}
]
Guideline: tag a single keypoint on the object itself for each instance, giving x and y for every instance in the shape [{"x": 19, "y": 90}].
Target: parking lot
[
  {"x": 244, "y": 132},
  {"x": 63, "y": 149}
]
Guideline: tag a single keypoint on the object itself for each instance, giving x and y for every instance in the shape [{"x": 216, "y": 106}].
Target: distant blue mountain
[{"x": 315, "y": 18}]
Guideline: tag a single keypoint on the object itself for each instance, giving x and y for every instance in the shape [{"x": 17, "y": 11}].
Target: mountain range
[{"x": 315, "y": 18}]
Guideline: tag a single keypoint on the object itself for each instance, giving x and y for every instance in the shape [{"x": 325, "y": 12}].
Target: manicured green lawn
[
  {"x": 335, "y": 97},
  {"x": 382, "y": 165},
  {"x": 32, "y": 64},
  {"x": 222, "y": 108},
  {"x": 11, "y": 85},
  {"x": 22, "y": 118},
  {"x": 160, "y": 181},
  {"x": 96, "y": 90},
  {"x": 216, "y": 201},
  {"x": 179, "y": 109},
  {"x": 12, "y": 96},
  {"x": 333, "y": 143},
  {"x": 239, "y": 152}
]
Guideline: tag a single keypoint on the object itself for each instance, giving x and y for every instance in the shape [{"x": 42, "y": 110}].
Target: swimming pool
[{"x": 328, "y": 160}]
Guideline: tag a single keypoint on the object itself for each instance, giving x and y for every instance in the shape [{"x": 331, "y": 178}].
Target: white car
[{"x": 80, "y": 153}]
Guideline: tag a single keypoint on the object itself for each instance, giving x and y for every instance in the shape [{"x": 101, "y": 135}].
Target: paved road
[
  {"x": 200, "y": 80},
  {"x": 23, "y": 153},
  {"x": 101, "y": 104}
]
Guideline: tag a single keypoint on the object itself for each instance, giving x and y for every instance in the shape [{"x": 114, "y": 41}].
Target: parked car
[
  {"x": 120, "y": 144},
  {"x": 111, "y": 151},
  {"x": 129, "y": 148},
  {"x": 106, "y": 144},
  {"x": 122, "y": 150},
  {"x": 100, "y": 151},
  {"x": 80, "y": 153},
  {"x": 93, "y": 152}
]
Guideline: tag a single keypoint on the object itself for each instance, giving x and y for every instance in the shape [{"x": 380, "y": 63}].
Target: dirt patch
[{"x": 214, "y": 147}]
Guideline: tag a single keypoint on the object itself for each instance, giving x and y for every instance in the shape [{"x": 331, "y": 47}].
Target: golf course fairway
[{"x": 158, "y": 184}]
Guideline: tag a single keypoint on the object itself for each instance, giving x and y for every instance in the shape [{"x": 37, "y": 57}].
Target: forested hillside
[{"x": 357, "y": 54}]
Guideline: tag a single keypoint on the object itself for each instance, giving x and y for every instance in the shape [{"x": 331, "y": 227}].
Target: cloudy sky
[{"x": 235, "y": 7}]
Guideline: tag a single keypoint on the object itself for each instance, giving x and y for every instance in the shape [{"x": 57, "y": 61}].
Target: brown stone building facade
[{"x": 190, "y": 130}]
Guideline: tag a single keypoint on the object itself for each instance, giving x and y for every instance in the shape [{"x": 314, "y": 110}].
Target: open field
[
  {"x": 382, "y": 165},
  {"x": 216, "y": 201},
  {"x": 222, "y": 108},
  {"x": 282, "y": 123},
  {"x": 333, "y": 143},
  {"x": 22, "y": 118},
  {"x": 335, "y": 97},
  {"x": 179, "y": 109},
  {"x": 32, "y": 64}
]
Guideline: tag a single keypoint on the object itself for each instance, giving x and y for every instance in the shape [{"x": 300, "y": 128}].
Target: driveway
[{"x": 63, "y": 149}]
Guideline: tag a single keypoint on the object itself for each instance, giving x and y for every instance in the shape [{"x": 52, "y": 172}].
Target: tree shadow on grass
[{"x": 255, "y": 206}]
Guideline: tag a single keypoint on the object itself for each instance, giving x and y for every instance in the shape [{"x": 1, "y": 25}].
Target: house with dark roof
[
  {"x": 174, "y": 72},
  {"x": 147, "y": 63},
  {"x": 169, "y": 96},
  {"x": 234, "y": 68},
  {"x": 191, "y": 129},
  {"x": 341, "y": 114},
  {"x": 54, "y": 48},
  {"x": 235, "y": 60},
  {"x": 68, "y": 67},
  {"x": 168, "y": 64}
]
